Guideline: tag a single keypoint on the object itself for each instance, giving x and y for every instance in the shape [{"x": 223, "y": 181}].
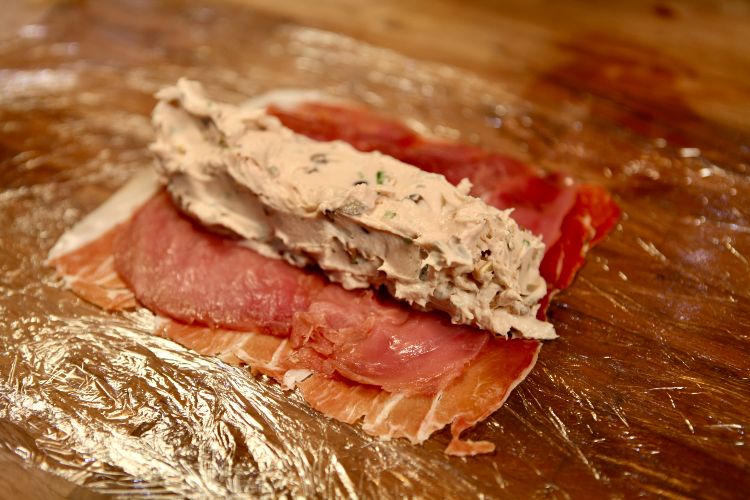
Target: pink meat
[
  {"x": 182, "y": 271},
  {"x": 189, "y": 274},
  {"x": 382, "y": 343},
  {"x": 482, "y": 387},
  {"x": 539, "y": 203}
]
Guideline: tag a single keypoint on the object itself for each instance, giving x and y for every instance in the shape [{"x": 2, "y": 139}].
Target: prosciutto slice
[
  {"x": 382, "y": 342},
  {"x": 90, "y": 272},
  {"x": 481, "y": 389},
  {"x": 182, "y": 271},
  {"x": 416, "y": 372}
]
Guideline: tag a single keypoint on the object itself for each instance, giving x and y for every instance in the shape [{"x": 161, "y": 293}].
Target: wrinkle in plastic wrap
[{"x": 645, "y": 392}]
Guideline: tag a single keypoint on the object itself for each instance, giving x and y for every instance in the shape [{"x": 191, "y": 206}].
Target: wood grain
[{"x": 514, "y": 41}]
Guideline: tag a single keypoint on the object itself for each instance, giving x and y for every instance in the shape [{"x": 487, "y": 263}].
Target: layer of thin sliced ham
[
  {"x": 182, "y": 271},
  {"x": 479, "y": 389},
  {"x": 89, "y": 271},
  {"x": 179, "y": 269},
  {"x": 472, "y": 397},
  {"x": 382, "y": 342},
  {"x": 569, "y": 217}
]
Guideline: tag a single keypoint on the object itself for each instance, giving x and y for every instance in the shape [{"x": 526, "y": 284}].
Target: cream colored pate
[{"x": 365, "y": 219}]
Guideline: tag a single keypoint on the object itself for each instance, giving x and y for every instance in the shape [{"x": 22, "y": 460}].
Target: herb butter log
[{"x": 365, "y": 219}]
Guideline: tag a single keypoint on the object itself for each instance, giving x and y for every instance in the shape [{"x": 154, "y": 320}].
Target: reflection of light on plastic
[
  {"x": 699, "y": 256},
  {"x": 728, "y": 245},
  {"x": 651, "y": 249},
  {"x": 447, "y": 132},
  {"x": 14, "y": 83},
  {"x": 690, "y": 152},
  {"x": 683, "y": 311},
  {"x": 33, "y": 31},
  {"x": 64, "y": 49},
  {"x": 22, "y": 452},
  {"x": 494, "y": 122}
]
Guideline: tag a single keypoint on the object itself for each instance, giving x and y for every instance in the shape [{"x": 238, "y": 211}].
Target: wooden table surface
[
  {"x": 703, "y": 44},
  {"x": 661, "y": 90}
]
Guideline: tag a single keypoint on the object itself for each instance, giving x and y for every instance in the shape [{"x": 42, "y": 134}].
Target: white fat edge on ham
[
  {"x": 294, "y": 377},
  {"x": 237, "y": 167},
  {"x": 118, "y": 208}
]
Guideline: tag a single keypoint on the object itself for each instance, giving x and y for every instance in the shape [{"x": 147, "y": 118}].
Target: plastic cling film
[{"x": 645, "y": 391}]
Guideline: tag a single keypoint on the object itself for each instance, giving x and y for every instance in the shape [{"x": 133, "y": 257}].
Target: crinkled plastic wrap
[{"x": 645, "y": 392}]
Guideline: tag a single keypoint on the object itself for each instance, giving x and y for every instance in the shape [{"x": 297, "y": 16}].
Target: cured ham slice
[
  {"x": 591, "y": 218},
  {"x": 90, "y": 272},
  {"x": 84, "y": 255},
  {"x": 382, "y": 343},
  {"x": 480, "y": 390},
  {"x": 263, "y": 353},
  {"x": 484, "y": 370},
  {"x": 570, "y": 217},
  {"x": 182, "y": 271}
]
